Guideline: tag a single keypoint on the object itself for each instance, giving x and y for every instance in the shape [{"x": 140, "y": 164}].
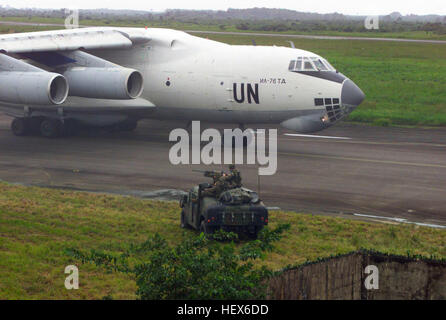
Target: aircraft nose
[{"x": 352, "y": 96}]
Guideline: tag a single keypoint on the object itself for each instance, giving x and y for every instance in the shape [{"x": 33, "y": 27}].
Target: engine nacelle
[
  {"x": 39, "y": 88},
  {"x": 104, "y": 83}
]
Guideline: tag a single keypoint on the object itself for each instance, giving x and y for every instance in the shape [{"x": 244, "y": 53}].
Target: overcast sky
[{"x": 356, "y": 7}]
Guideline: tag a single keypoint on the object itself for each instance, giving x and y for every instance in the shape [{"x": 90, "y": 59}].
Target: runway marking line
[
  {"x": 426, "y": 165},
  {"x": 373, "y": 143},
  {"x": 314, "y": 136}
]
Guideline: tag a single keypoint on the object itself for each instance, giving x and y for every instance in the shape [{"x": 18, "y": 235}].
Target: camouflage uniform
[
  {"x": 219, "y": 186},
  {"x": 223, "y": 183},
  {"x": 234, "y": 178}
]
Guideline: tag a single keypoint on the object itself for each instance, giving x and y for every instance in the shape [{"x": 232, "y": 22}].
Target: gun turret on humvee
[{"x": 236, "y": 210}]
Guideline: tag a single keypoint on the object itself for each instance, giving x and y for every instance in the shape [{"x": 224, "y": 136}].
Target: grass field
[
  {"x": 404, "y": 82},
  {"x": 228, "y": 27},
  {"x": 23, "y": 28},
  {"x": 37, "y": 225}
]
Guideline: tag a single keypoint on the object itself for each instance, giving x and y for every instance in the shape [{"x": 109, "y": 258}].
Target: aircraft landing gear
[
  {"x": 50, "y": 128},
  {"x": 46, "y": 127},
  {"x": 20, "y": 126},
  {"x": 25, "y": 126},
  {"x": 69, "y": 128}
]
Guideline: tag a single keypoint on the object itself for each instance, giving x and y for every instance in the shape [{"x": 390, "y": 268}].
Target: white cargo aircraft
[{"x": 51, "y": 81}]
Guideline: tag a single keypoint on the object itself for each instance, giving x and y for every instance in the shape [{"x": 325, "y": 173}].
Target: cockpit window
[
  {"x": 299, "y": 64},
  {"x": 319, "y": 64},
  {"x": 330, "y": 67},
  {"x": 310, "y": 64}
]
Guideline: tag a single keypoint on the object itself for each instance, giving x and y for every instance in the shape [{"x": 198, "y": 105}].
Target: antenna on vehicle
[{"x": 258, "y": 183}]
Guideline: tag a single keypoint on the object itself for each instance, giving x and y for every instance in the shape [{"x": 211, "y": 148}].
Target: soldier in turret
[
  {"x": 220, "y": 185},
  {"x": 234, "y": 177},
  {"x": 223, "y": 182}
]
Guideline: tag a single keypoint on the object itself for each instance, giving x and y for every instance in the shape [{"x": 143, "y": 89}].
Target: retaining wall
[{"x": 343, "y": 277}]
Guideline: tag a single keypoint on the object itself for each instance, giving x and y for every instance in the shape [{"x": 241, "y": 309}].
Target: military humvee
[{"x": 237, "y": 210}]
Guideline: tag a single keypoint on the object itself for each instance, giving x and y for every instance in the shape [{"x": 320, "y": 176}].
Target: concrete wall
[{"x": 343, "y": 278}]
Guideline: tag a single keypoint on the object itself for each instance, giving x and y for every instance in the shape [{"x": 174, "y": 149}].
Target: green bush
[{"x": 198, "y": 268}]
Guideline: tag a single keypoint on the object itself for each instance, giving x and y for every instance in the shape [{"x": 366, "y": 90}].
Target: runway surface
[
  {"x": 294, "y": 36},
  {"x": 391, "y": 172}
]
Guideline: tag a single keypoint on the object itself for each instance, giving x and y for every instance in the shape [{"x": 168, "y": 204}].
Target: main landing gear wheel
[
  {"x": 50, "y": 128},
  {"x": 208, "y": 231},
  {"x": 20, "y": 126},
  {"x": 69, "y": 128}
]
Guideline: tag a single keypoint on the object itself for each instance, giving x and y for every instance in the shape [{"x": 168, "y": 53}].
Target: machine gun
[
  {"x": 215, "y": 175},
  {"x": 210, "y": 174}
]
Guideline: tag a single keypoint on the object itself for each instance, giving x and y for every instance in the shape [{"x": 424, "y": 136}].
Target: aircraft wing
[
  {"x": 73, "y": 39},
  {"x": 46, "y": 68},
  {"x": 52, "y": 75}
]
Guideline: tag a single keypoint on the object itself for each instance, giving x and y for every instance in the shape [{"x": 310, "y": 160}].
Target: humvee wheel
[
  {"x": 205, "y": 229},
  {"x": 253, "y": 235},
  {"x": 183, "y": 220}
]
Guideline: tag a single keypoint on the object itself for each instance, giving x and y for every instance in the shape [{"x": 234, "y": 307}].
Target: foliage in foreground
[
  {"x": 198, "y": 268},
  {"x": 37, "y": 224}
]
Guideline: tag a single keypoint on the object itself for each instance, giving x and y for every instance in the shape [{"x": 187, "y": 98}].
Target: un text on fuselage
[
  {"x": 246, "y": 93},
  {"x": 189, "y": 150}
]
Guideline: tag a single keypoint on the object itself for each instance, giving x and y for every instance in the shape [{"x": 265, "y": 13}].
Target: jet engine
[
  {"x": 22, "y": 83},
  {"x": 104, "y": 83},
  {"x": 93, "y": 77}
]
